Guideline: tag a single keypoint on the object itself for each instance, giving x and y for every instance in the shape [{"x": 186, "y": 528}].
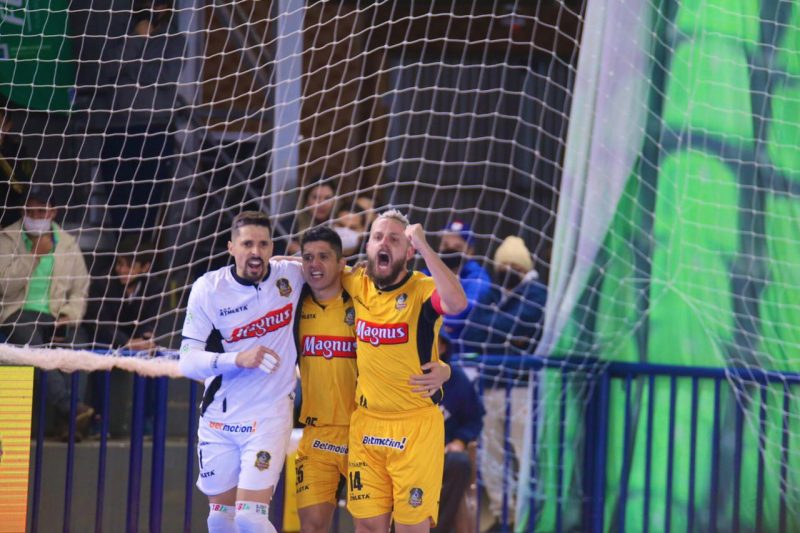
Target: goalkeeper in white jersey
[{"x": 246, "y": 413}]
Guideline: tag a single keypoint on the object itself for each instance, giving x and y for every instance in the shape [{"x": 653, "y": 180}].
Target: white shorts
[{"x": 247, "y": 454}]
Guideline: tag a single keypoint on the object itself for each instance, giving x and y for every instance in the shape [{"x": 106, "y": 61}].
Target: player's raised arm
[{"x": 451, "y": 293}]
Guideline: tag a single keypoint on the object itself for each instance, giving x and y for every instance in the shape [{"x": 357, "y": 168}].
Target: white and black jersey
[{"x": 245, "y": 314}]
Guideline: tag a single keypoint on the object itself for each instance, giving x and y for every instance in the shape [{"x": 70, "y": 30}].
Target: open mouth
[
  {"x": 384, "y": 259},
  {"x": 255, "y": 263},
  {"x": 316, "y": 275}
]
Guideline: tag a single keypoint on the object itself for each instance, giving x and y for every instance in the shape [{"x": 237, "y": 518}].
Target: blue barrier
[{"x": 598, "y": 509}]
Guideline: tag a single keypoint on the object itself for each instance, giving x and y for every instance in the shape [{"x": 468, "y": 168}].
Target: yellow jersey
[
  {"x": 397, "y": 330},
  {"x": 327, "y": 357}
]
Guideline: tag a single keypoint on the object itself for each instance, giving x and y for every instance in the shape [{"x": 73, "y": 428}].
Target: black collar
[
  {"x": 396, "y": 285},
  {"x": 344, "y": 295},
  {"x": 246, "y": 282}
]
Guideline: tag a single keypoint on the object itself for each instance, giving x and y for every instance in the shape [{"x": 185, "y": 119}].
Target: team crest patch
[
  {"x": 350, "y": 316},
  {"x": 284, "y": 288},
  {"x": 415, "y": 497},
  {"x": 400, "y": 301},
  {"x": 262, "y": 460}
]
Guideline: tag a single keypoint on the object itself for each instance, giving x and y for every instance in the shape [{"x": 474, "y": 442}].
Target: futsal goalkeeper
[{"x": 246, "y": 412}]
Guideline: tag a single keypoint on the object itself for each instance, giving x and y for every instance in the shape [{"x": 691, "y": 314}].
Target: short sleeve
[{"x": 353, "y": 280}]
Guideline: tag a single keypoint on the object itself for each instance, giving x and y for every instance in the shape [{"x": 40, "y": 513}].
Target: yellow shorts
[
  {"x": 321, "y": 461},
  {"x": 396, "y": 464}
]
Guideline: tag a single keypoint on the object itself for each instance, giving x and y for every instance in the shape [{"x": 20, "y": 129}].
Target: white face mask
[
  {"x": 350, "y": 239},
  {"x": 36, "y": 226}
]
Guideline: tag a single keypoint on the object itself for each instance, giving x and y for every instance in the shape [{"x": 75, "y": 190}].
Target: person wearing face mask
[
  {"x": 508, "y": 322},
  {"x": 43, "y": 290},
  {"x": 456, "y": 252},
  {"x": 350, "y": 225}
]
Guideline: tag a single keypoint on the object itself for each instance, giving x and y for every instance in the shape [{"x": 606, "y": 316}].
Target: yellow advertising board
[{"x": 16, "y": 397}]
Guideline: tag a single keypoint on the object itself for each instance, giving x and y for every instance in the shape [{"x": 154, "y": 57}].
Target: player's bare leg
[
  {"x": 316, "y": 518},
  {"x": 375, "y": 524},
  {"x": 422, "y": 527}
]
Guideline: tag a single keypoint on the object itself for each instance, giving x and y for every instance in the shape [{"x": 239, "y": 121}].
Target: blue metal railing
[{"x": 599, "y": 507}]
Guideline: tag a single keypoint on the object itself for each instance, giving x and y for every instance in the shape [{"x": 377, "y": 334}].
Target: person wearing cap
[
  {"x": 43, "y": 288},
  {"x": 508, "y": 322},
  {"x": 456, "y": 251}
]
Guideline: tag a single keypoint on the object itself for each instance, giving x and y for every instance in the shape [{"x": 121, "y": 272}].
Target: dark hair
[
  {"x": 319, "y": 181},
  {"x": 356, "y": 210},
  {"x": 134, "y": 249},
  {"x": 250, "y": 218},
  {"x": 42, "y": 192},
  {"x": 323, "y": 233}
]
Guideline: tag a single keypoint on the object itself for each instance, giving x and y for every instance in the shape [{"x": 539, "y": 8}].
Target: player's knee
[
  {"x": 253, "y": 517},
  {"x": 220, "y": 518},
  {"x": 314, "y": 519}
]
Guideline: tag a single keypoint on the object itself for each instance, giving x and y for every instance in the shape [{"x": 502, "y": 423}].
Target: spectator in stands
[
  {"x": 43, "y": 290},
  {"x": 456, "y": 252},
  {"x": 350, "y": 224},
  {"x": 127, "y": 310},
  {"x": 15, "y": 172},
  {"x": 508, "y": 321},
  {"x": 318, "y": 203},
  {"x": 139, "y": 74},
  {"x": 463, "y": 414},
  {"x": 130, "y": 305}
]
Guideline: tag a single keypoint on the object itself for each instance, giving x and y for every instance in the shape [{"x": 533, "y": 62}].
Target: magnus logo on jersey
[
  {"x": 232, "y": 428},
  {"x": 378, "y": 334},
  {"x": 272, "y": 321},
  {"x": 329, "y": 347}
]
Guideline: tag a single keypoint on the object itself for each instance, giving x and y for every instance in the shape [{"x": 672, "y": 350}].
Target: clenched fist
[
  {"x": 416, "y": 235},
  {"x": 259, "y": 357}
]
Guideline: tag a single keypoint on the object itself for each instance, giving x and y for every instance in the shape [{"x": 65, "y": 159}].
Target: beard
[{"x": 394, "y": 272}]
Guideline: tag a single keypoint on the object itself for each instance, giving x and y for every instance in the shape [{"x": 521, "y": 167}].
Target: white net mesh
[
  {"x": 155, "y": 123},
  {"x": 676, "y": 199}
]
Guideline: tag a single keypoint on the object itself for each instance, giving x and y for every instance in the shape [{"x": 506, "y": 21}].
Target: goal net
[
  {"x": 676, "y": 243},
  {"x": 652, "y": 180}
]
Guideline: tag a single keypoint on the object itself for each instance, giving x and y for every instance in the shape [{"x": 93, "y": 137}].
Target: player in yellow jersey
[
  {"x": 327, "y": 358},
  {"x": 396, "y": 434}
]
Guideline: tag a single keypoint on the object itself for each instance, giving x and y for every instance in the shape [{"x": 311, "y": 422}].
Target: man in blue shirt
[
  {"x": 456, "y": 252},
  {"x": 508, "y": 322}
]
